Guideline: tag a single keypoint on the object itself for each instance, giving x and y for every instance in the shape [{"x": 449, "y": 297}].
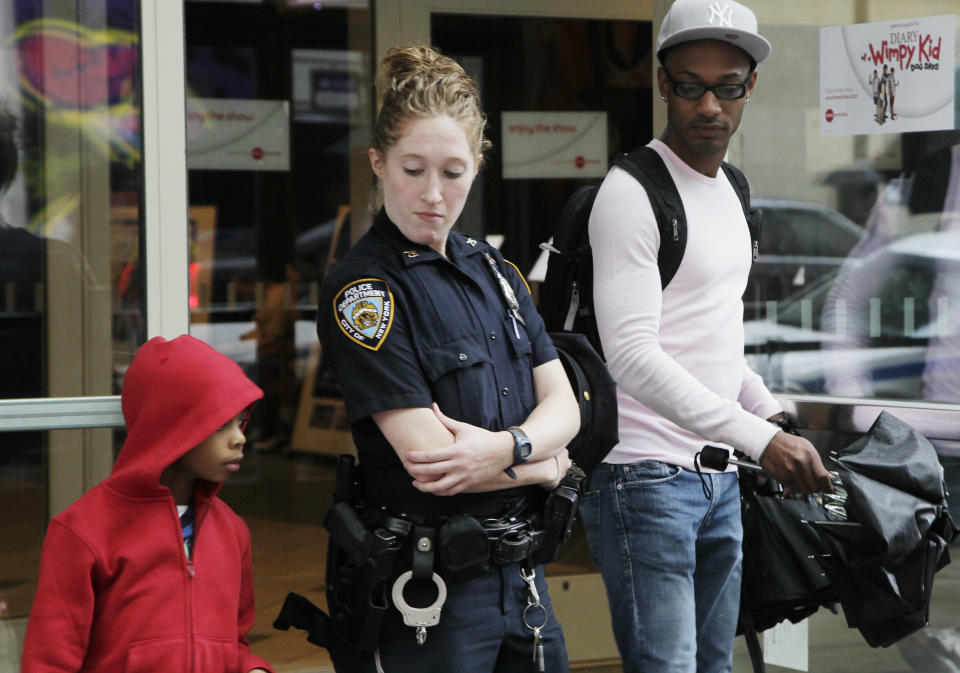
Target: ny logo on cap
[{"x": 723, "y": 12}]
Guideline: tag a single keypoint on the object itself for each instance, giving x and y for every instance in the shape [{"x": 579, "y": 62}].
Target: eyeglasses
[
  {"x": 695, "y": 90},
  {"x": 241, "y": 419}
]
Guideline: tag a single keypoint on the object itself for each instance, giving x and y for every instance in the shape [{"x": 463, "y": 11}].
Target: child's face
[{"x": 219, "y": 455}]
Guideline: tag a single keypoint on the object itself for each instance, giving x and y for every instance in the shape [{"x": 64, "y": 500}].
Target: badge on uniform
[{"x": 364, "y": 311}]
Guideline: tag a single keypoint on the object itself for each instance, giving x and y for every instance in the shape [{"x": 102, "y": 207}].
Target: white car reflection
[{"x": 884, "y": 325}]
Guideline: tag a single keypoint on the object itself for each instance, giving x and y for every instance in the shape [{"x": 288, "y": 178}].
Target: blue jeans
[{"x": 671, "y": 562}]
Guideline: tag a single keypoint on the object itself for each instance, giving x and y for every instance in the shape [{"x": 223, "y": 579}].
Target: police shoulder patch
[{"x": 364, "y": 311}]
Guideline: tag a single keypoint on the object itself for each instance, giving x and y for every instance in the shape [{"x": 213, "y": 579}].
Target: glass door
[
  {"x": 278, "y": 112},
  {"x": 72, "y": 291}
]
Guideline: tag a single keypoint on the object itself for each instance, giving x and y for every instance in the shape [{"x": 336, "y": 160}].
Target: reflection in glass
[
  {"x": 897, "y": 289},
  {"x": 877, "y": 316},
  {"x": 278, "y": 111},
  {"x": 71, "y": 300}
]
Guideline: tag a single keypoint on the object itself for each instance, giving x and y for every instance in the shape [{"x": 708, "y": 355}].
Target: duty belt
[{"x": 512, "y": 540}]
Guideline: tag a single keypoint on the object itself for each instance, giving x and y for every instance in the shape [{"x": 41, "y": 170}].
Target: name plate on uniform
[{"x": 554, "y": 144}]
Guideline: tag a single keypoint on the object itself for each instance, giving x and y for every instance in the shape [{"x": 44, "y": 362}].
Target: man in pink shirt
[{"x": 670, "y": 556}]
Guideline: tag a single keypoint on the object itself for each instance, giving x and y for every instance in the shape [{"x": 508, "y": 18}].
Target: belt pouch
[
  {"x": 464, "y": 549},
  {"x": 360, "y": 564},
  {"x": 559, "y": 514}
]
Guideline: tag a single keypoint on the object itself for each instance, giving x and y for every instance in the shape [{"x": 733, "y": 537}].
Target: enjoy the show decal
[{"x": 888, "y": 76}]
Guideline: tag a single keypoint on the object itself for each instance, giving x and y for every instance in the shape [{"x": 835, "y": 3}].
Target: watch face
[{"x": 525, "y": 450}]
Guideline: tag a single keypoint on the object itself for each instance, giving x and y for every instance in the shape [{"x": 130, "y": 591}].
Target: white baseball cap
[{"x": 724, "y": 20}]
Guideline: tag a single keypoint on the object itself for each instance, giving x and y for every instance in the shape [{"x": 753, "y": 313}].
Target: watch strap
[{"x": 520, "y": 439}]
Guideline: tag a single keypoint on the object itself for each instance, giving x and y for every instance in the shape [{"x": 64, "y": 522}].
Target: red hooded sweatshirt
[{"x": 116, "y": 591}]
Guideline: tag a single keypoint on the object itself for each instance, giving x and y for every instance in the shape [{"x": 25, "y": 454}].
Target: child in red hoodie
[{"x": 149, "y": 571}]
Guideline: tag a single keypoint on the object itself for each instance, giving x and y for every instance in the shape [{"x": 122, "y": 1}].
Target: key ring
[
  {"x": 526, "y": 621},
  {"x": 533, "y": 600}
]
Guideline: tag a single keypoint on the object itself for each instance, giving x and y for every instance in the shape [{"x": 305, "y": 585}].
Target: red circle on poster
[
  {"x": 580, "y": 162},
  {"x": 829, "y": 115},
  {"x": 257, "y": 153}
]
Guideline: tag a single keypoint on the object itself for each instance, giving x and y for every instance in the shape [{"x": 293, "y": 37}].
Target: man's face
[{"x": 699, "y": 130}]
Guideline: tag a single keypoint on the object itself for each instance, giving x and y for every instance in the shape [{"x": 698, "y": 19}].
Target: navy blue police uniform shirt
[{"x": 404, "y": 327}]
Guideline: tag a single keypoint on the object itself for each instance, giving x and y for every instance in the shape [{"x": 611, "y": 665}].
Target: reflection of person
[
  {"x": 892, "y": 90},
  {"x": 418, "y": 315},
  {"x": 22, "y": 258},
  {"x": 274, "y": 331},
  {"x": 925, "y": 199},
  {"x": 670, "y": 556},
  {"x": 122, "y": 579},
  {"x": 21, "y": 266}
]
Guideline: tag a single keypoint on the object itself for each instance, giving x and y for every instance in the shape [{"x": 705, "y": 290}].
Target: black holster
[
  {"x": 558, "y": 516},
  {"x": 361, "y": 562}
]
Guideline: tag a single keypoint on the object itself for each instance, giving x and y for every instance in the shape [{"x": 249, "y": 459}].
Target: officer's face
[{"x": 426, "y": 176}]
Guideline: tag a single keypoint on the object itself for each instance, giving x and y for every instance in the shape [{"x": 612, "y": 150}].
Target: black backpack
[{"x": 566, "y": 295}]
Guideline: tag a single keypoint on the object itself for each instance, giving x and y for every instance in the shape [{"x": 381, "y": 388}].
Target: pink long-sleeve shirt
[{"x": 677, "y": 354}]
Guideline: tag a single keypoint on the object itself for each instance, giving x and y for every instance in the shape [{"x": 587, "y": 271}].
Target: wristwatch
[{"x": 522, "y": 448}]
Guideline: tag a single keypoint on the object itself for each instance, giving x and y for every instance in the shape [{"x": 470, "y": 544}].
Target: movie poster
[{"x": 888, "y": 76}]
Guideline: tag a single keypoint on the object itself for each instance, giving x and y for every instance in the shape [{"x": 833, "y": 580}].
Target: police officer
[{"x": 457, "y": 401}]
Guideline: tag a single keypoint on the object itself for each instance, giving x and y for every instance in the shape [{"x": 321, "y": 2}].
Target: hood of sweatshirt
[{"x": 175, "y": 394}]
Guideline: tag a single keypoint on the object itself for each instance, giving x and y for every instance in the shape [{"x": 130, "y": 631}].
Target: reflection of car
[
  {"x": 870, "y": 328},
  {"x": 805, "y": 230},
  {"x": 799, "y": 243}
]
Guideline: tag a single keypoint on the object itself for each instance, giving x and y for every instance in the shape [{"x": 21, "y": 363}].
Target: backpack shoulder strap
[
  {"x": 754, "y": 216},
  {"x": 648, "y": 168}
]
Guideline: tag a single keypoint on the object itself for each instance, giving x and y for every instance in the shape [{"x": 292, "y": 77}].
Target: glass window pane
[
  {"x": 278, "y": 114},
  {"x": 855, "y": 291},
  {"x": 71, "y": 294}
]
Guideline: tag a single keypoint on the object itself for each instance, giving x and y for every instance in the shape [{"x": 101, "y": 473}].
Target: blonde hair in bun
[{"x": 418, "y": 82}]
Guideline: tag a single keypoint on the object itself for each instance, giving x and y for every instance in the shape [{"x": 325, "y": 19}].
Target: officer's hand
[
  {"x": 562, "y": 461},
  {"x": 476, "y": 456},
  {"x": 795, "y": 463}
]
